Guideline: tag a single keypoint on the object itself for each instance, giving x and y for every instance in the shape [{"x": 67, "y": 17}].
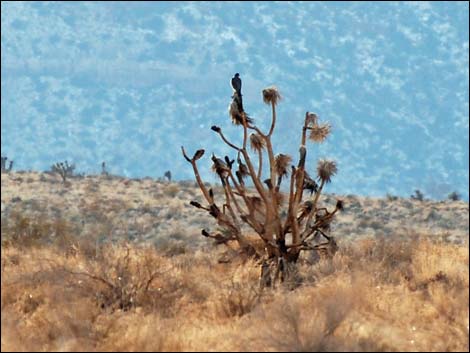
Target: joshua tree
[
  {"x": 454, "y": 196},
  {"x": 167, "y": 175},
  {"x": 284, "y": 235},
  {"x": 63, "y": 169},
  {"x": 103, "y": 169},
  {"x": 4, "y": 165},
  {"x": 418, "y": 195}
]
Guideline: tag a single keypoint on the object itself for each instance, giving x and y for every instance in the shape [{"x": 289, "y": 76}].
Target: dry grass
[
  {"x": 388, "y": 295},
  {"x": 109, "y": 264}
]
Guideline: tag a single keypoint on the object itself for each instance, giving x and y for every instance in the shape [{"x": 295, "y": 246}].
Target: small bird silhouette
[
  {"x": 220, "y": 167},
  {"x": 237, "y": 84},
  {"x": 310, "y": 184},
  {"x": 236, "y": 111},
  {"x": 237, "y": 94}
]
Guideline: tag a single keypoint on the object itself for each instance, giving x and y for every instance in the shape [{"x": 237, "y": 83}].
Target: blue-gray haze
[{"x": 130, "y": 82}]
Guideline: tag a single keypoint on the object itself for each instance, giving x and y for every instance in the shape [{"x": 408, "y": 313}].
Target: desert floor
[{"x": 108, "y": 263}]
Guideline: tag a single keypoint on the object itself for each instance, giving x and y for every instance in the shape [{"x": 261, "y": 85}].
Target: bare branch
[{"x": 219, "y": 131}]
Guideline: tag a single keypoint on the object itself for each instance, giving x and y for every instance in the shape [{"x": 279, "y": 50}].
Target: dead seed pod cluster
[{"x": 286, "y": 223}]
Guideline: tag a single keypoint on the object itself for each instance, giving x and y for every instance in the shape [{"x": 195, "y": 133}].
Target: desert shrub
[
  {"x": 171, "y": 247},
  {"x": 391, "y": 197},
  {"x": 22, "y": 230},
  {"x": 454, "y": 196},
  {"x": 310, "y": 321},
  {"x": 237, "y": 299},
  {"x": 120, "y": 278},
  {"x": 171, "y": 190},
  {"x": 418, "y": 195}
]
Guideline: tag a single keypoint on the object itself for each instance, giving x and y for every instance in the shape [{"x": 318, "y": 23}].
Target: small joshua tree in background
[
  {"x": 104, "y": 172},
  {"x": 285, "y": 224},
  {"x": 167, "y": 175},
  {"x": 4, "y": 165},
  {"x": 418, "y": 195},
  {"x": 391, "y": 197},
  {"x": 454, "y": 196},
  {"x": 65, "y": 170}
]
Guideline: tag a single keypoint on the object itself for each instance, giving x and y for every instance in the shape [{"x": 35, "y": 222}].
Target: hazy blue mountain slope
[{"x": 129, "y": 83}]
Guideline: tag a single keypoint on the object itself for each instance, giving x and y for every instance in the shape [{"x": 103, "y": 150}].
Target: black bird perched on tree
[
  {"x": 237, "y": 94},
  {"x": 237, "y": 84},
  {"x": 310, "y": 184}
]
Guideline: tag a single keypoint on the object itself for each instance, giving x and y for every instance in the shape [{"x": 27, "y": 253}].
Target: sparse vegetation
[
  {"x": 167, "y": 175},
  {"x": 6, "y": 169},
  {"x": 75, "y": 268},
  {"x": 65, "y": 170},
  {"x": 454, "y": 196},
  {"x": 171, "y": 190},
  {"x": 25, "y": 231},
  {"x": 128, "y": 297},
  {"x": 418, "y": 195},
  {"x": 391, "y": 197},
  {"x": 286, "y": 226},
  {"x": 104, "y": 172}
]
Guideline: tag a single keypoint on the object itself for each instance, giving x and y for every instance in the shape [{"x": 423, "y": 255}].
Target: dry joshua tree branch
[{"x": 253, "y": 202}]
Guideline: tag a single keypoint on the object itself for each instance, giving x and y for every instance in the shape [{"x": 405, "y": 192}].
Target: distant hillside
[
  {"x": 159, "y": 212},
  {"x": 99, "y": 81}
]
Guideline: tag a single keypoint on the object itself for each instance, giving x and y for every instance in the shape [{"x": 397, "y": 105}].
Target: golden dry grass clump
[{"x": 386, "y": 295}]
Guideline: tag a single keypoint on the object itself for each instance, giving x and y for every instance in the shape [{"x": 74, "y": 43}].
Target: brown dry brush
[
  {"x": 124, "y": 282},
  {"x": 262, "y": 209}
]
